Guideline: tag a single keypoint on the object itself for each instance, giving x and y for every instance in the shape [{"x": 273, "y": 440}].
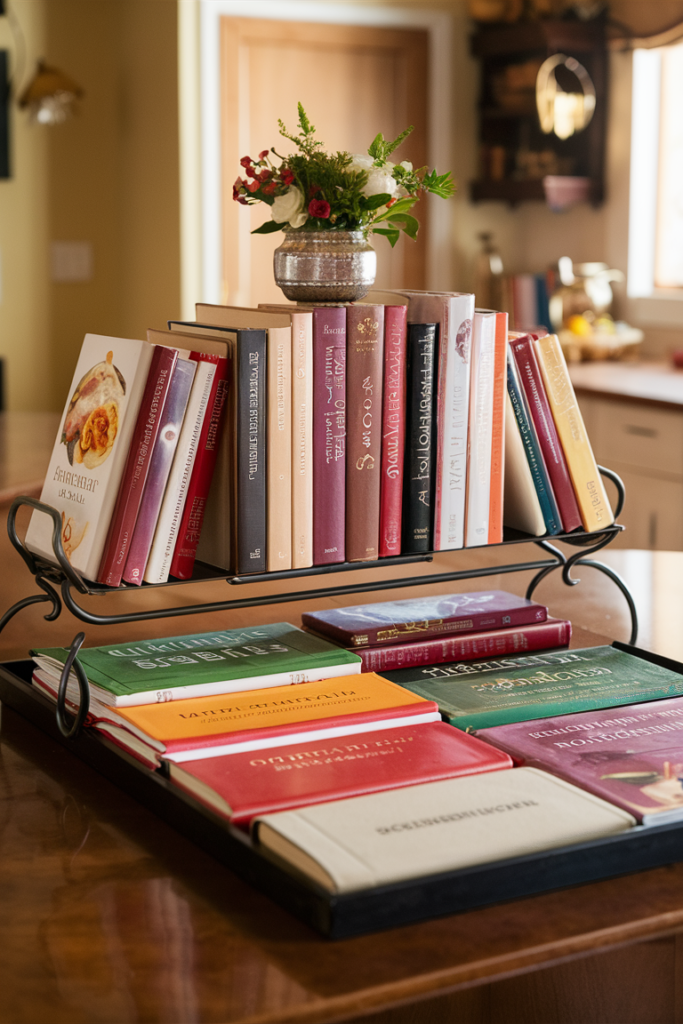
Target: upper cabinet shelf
[{"x": 514, "y": 153}]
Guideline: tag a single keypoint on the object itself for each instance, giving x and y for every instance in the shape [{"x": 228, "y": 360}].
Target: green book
[
  {"x": 203, "y": 664},
  {"x": 476, "y": 695}
]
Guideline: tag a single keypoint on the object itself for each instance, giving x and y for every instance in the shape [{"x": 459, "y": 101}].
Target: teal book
[
  {"x": 203, "y": 664},
  {"x": 477, "y": 695}
]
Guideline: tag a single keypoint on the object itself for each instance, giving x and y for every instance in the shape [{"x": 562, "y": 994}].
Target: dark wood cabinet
[{"x": 515, "y": 154}]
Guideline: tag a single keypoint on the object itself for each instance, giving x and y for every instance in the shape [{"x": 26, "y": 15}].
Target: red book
[
  {"x": 553, "y": 455},
  {"x": 393, "y": 430},
  {"x": 390, "y": 622},
  {"x": 190, "y": 528},
  {"x": 329, "y": 434},
  {"x": 364, "y": 373},
  {"x": 498, "y": 430},
  {"x": 539, "y": 636},
  {"x": 242, "y": 786},
  {"x": 137, "y": 466}
]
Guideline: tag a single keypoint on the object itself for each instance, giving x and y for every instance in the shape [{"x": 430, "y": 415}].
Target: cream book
[
  {"x": 521, "y": 507},
  {"x": 367, "y": 841},
  {"x": 480, "y": 431},
  {"x": 590, "y": 493},
  {"x": 90, "y": 452}
]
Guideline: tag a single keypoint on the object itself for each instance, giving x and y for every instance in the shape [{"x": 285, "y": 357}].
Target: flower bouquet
[{"x": 316, "y": 191}]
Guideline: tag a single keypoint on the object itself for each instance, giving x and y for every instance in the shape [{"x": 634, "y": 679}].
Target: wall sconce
[
  {"x": 563, "y": 112},
  {"x": 51, "y": 96}
]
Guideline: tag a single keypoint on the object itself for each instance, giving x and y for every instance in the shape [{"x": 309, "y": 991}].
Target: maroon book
[
  {"x": 630, "y": 755},
  {"x": 390, "y": 622},
  {"x": 329, "y": 434},
  {"x": 393, "y": 430},
  {"x": 242, "y": 786},
  {"x": 137, "y": 466},
  {"x": 190, "y": 527},
  {"x": 160, "y": 467},
  {"x": 537, "y": 636},
  {"x": 534, "y": 389},
  {"x": 364, "y": 372}
]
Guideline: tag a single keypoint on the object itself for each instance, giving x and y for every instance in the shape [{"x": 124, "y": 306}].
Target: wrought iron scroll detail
[{"x": 71, "y": 729}]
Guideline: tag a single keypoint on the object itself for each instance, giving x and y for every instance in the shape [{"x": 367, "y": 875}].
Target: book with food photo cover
[
  {"x": 90, "y": 452},
  {"x": 476, "y": 695},
  {"x": 240, "y": 786},
  {"x": 200, "y": 664},
  {"x": 631, "y": 756},
  {"x": 199, "y": 727}
]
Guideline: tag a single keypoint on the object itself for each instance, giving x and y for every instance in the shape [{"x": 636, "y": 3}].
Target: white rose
[
  {"x": 361, "y": 162},
  {"x": 380, "y": 180},
  {"x": 289, "y": 208},
  {"x": 406, "y": 165}
]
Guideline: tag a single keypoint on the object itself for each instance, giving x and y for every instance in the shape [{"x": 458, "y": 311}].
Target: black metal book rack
[{"x": 61, "y": 585}]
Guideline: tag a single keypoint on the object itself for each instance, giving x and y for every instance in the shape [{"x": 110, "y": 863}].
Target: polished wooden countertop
[{"x": 658, "y": 383}]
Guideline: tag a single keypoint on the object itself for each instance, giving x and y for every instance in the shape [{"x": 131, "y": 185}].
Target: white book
[
  {"x": 454, "y": 312},
  {"x": 480, "y": 428},
  {"x": 173, "y": 503},
  {"x": 367, "y": 841},
  {"x": 91, "y": 449},
  {"x": 521, "y": 507}
]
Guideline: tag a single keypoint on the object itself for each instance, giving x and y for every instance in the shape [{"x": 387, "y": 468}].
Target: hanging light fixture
[
  {"x": 51, "y": 97},
  {"x": 559, "y": 111}
]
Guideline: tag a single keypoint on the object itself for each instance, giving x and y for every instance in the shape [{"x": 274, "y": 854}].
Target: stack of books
[
  {"x": 444, "y": 628},
  {"x": 285, "y": 437},
  {"x": 354, "y": 780}
]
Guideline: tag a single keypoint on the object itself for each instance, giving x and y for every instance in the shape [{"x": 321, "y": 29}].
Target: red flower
[
  {"x": 246, "y": 161},
  {"x": 270, "y": 188},
  {"x": 263, "y": 154},
  {"x": 319, "y": 208},
  {"x": 242, "y": 200},
  {"x": 237, "y": 188},
  {"x": 265, "y": 175},
  {"x": 253, "y": 186},
  {"x": 286, "y": 176}
]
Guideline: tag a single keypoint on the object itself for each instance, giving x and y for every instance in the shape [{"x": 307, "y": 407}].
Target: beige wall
[{"x": 109, "y": 177}]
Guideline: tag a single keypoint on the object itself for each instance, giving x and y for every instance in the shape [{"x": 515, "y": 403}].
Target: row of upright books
[
  {"x": 285, "y": 437},
  {"x": 357, "y": 779}
]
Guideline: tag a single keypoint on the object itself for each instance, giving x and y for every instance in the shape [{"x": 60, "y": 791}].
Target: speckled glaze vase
[{"x": 325, "y": 266}]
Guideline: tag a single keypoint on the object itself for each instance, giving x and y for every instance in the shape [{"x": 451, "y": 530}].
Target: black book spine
[
  {"x": 420, "y": 459},
  {"x": 250, "y": 395}
]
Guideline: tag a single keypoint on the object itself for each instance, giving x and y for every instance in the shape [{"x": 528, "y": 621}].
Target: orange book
[{"x": 498, "y": 430}]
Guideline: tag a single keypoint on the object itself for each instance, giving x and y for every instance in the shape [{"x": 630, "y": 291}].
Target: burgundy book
[
  {"x": 137, "y": 466},
  {"x": 190, "y": 527},
  {"x": 537, "y": 636},
  {"x": 630, "y": 755},
  {"x": 393, "y": 431},
  {"x": 244, "y": 785},
  {"x": 534, "y": 389},
  {"x": 160, "y": 467},
  {"x": 390, "y": 622},
  {"x": 364, "y": 372},
  {"x": 329, "y": 434}
]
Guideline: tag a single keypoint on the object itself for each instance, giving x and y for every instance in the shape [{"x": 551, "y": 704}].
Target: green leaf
[
  {"x": 399, "y": 208},
  {"x": 389, "y": 147},
  {"x": 439, "y": 184},
  {"x": 374, "y": 202},
  {"x": 376, "y": 147},
  {"x": 391, "y": 233},
  {"x": 407, "y": 224},
  {"x": 269, "y": 227}
]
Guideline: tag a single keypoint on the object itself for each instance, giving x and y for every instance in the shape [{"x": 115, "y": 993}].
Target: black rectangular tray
[{"x": 371, "y": 910}]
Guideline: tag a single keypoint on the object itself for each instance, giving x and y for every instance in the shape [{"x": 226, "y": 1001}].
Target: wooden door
[{"x": 353, "y": 82}]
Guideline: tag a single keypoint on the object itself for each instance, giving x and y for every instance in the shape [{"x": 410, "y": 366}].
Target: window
[{"x": 655, "y": 268}]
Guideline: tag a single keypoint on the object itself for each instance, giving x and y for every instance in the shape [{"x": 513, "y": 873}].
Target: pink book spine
[
  {"x": 162, "y": 457},
  {"x": 329, "y": 434},
  {"x": 137, "y": 466},
  {"x": 393, "y": 430},
  {"x": 190, "y": 528},
  {"x": 536, "y": 637},
  {"x": 532, "y": 382}
]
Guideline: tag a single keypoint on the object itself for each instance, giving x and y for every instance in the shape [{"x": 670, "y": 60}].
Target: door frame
[{"x": 200, "y": 125}]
